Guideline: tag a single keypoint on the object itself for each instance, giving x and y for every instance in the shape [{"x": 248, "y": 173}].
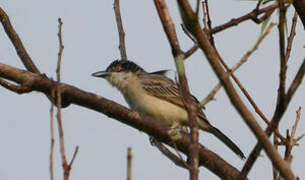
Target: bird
[{"x": 155, "y": 95}]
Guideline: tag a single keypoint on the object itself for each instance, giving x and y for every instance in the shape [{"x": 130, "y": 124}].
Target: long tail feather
[{"x": 216, "y": 132}]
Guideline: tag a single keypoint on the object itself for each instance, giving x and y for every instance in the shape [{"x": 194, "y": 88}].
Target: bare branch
[
  {"x": 281, "y": 27},
  {"x": 65, "y": 165},
  {"x": 51, "y": 157},
  {"x": 267, "y": 11},
  {"x": 22, "y": 53},
  {"x": 74, "y": 156},
  {"x": 122, "y": 47},
  {"x": 291, "y": 36},
  {"x": 243, "y": 60}
]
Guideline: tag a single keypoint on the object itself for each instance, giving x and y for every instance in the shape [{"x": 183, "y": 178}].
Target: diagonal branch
[
  {"x": 122, "y": 47},
  {"x": 22, "y": 53}
]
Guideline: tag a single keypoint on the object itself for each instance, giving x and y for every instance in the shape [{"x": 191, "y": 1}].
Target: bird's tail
[{"x": 216, "y": 132}]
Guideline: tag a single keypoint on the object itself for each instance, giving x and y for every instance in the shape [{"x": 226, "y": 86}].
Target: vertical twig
[
  {"x": 51, "y": 166},
  {"x": 275, "y": 172},
  {"x": 129, "y": 163},
  {"x": 281, "y": 27},
  {"x": 291, "y": 36},
  {"x": 58, "y": 98},
  {"x": 122, "y": 47},
  {"x": 66, "y": 166}
]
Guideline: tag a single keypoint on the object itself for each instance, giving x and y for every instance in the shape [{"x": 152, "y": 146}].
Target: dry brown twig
[
  {"x": 243, "y": 60},
  {"x": 122, "y": 47},
  {"x": 12, "y": 34},
  {"x": 291, "y": 140},
  {"x": 253, "y": 15},
  {"x": 66, "y": 166},
  {"x": 291, "y": 36},
  {"x": 129, "y": 163},
  {"x": 52, "y": 138}
]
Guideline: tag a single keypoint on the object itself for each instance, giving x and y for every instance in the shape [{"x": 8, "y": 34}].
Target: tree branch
[
  {"x": 122, "y": 47},
  {"x": 22, "y": 53},
  {"x": 100, "y": 104}
]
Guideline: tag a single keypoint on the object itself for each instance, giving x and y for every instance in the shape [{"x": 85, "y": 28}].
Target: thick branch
[{"x": 97, "y": 103}]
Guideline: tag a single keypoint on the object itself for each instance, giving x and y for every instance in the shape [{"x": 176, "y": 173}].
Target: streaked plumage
[{"x": 155, "y": 95}]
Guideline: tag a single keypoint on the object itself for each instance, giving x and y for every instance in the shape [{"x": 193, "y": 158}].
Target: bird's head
[{"x": 119, "y": 72}]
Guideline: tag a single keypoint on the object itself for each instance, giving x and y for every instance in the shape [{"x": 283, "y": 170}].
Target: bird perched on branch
[{"x": 157, "y": 96}]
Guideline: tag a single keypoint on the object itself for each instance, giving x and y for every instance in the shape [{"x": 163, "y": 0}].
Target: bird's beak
[{"x": 102, "y": 74}]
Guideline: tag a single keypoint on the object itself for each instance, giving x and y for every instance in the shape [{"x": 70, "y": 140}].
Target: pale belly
[{"x": 162, "y": 111}]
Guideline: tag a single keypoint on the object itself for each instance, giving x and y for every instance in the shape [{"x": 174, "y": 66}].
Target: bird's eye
[{"x": 118, "y": 68}]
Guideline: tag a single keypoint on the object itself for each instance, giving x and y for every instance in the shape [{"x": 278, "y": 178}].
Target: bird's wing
[{"x": 164, "y": 88}]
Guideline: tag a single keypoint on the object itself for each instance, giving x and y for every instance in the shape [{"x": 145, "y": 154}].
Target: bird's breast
[{"x": 158, "y": 109}]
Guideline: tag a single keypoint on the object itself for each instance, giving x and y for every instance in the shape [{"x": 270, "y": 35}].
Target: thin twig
[
  {"x": 291, "y": 140},
  {"x": 291, "y": 36},
  {"x": 283, "y": 67},
  {"x": 129, "y": 163},
  {"x": 209, "y": 22},
  {"x": 74, "y": 156},
  {"x": 267, "y": 11},
  {"x": 65, "y": 164},
  {"x": 51, "y": 165},
  {"x": 243, "y": 60},
  {"x": 249, "y": 16},
  {"x": 122, "y": 47}
]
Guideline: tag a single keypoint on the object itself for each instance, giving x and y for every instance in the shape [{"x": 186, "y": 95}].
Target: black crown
[{"x": 124, "y": 65}]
